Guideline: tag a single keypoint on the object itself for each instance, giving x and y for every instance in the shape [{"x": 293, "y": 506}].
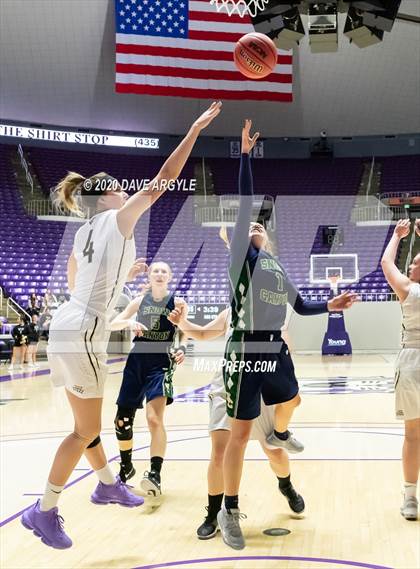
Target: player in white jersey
[
  {"x": 103, "y": 253},
  {"x": 219, "y": 428},
  {"x": 407, "y": 372}
]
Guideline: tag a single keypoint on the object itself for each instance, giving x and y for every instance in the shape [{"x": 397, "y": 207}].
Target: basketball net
[
  {"x": 334, "y": 284},
  {"x": 240, "y": 7}
]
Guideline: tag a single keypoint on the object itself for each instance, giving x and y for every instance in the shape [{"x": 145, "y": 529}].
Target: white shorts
[
  {"x": 77, "y": 351},
  {"x": 262, "y": 426},
  {"x": 407, "y": 384}
]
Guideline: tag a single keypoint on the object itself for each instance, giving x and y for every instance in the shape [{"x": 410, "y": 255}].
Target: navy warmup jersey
[{"x": 160, "y": 331}]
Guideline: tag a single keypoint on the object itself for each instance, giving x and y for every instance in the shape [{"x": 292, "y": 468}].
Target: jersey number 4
[{"x": 89, "y": 250}]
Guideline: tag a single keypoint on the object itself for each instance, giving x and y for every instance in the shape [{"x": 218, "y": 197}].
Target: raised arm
[
  {"x": 240, "y": 238},
  {"x": 129, "y": 214},
  {"x": 399, "y": 283}
]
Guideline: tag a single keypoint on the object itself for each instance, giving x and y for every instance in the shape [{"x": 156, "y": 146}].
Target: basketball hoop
[
  {"x": 240, "y": 7},
  {"x": 334, "y": 280}
]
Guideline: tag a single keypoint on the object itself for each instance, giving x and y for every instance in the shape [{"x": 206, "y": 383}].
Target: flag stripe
[
  {"x": 220, "y": 27},
  {"x": 196, "y": 6},
  {"x": 200, "y": 93},
  {"x": 201, "y": 83},
  {"x": 190, "y": 52},
  {"x": 128, "y": 40},
  {"x": 169, "y": 60},
  {"x": 219, "y": 17},
  {"x": 220, "y": 75}
]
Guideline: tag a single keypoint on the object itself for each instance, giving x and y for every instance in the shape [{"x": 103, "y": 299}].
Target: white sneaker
[
  {"x": 291, "y": 444},
  {"x": 31, "y": 365},
  {"x": 230, "y": 528},
  {"x": 11, "y": 366},
  {"x": 409, "y": 509}
]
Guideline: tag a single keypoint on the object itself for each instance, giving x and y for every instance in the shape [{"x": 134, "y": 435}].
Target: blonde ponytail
[
  {"x": 269, "y": 246},
  {"x": 64, "y": 197}
]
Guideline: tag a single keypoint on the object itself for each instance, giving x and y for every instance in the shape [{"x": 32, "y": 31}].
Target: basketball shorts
[
  {"x": 146, "y": 377},
  {"x": 266, "y": 371},
  {"x": 219, "y": 419},
  {"x": 77, "y": 351},
  {"x": 407, "y": 384}
]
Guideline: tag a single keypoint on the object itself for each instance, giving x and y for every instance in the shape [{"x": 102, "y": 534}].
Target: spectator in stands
[
  {"x": 32, "y": 333},
  {"x": 44, "y": 324},
  {"x": 20, "y": 342},
  {"x": 50, "y": 301},
  {"x": 63, "y": 296},
  {"x": 34, "y": 306}
]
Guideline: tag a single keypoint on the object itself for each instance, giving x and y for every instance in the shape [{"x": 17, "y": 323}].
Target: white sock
[
  {"x": 410, "y": 489},
  {"x": 51, "y": 496},
  {"x": 105, "y": 475}
]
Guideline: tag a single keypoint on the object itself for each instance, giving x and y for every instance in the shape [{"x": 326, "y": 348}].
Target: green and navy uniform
[
  {"x": 149, "y": 368},
  {"x": 260, "y": 292}
]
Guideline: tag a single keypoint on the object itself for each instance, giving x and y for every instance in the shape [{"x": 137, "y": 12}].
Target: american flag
[{"x": 184, "y": 48}]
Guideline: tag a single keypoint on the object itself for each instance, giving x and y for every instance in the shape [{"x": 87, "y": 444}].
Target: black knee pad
[
  {"x": 95, "y": 442},
  {"x": 124, "y": 432}
]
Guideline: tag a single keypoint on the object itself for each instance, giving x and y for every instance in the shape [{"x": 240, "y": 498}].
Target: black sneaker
[
  {"x": 208, "y": 528},
  {"x": 296, "y": 502},
  {"x": 151, "y": 483},
  {"x": 127, "y": 471}
]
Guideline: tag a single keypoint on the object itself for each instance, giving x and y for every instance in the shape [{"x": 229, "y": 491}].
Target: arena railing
[
  {"x": 26, "y": 168},
  {"x": 226, "y": 212},
  {"x": 410, "y": 194},
  {"x": 45, "y": 207},
  {"x": 10, "y": 305},
  {"x": 376, "y": 213}
]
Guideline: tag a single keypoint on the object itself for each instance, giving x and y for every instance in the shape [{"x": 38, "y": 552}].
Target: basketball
[{"x": 255, "y": 55}]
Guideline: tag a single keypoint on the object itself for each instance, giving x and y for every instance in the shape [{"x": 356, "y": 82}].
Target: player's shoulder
[
  {"x": 414, "y": 291},
  {"x": 104, "y": 218}
]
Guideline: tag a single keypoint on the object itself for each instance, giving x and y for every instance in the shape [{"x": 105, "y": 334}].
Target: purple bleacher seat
[{"x": 400, "y": 173}]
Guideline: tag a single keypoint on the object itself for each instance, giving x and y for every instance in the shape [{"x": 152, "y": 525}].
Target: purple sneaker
[
  {"x": 46, "y": 525},
  {"x": 117, "y": 493}
]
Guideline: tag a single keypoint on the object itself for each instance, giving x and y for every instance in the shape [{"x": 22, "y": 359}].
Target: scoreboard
[
  {"x": 202, "y": 314},
  {"x": 332, "y": 235}
]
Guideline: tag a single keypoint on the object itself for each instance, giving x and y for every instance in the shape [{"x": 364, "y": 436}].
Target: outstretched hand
[
  {"x": 138, "y": 328},
  {"x": 207, "y": 117},
  {"x": 402, "y": 229},
  {"x": 342, "y": 301},
  {"x": 139, "y": 268},
  {"x": 179, "y": 313},
  {"x": 248, "y": 141},
  {"x": 417, "y": 226},
  {"x": 178, "y": 356}
]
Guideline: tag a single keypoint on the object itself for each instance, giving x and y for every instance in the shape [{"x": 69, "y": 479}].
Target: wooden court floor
[{"x": 349, "y": 474}]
